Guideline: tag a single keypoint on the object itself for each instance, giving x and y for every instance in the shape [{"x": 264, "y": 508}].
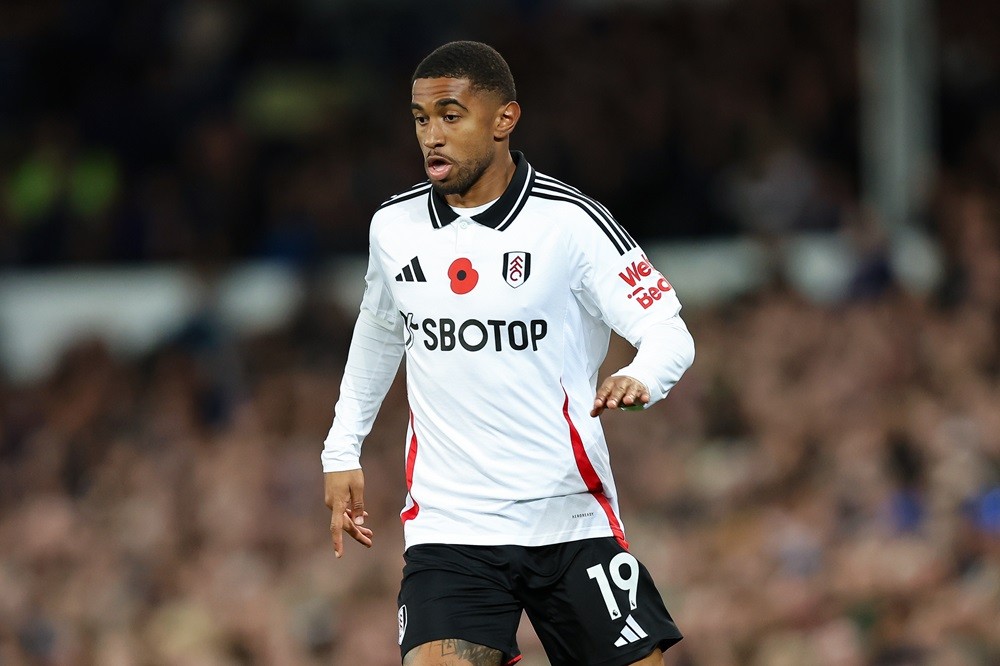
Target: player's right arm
[
  {"x": 372, "y": 361},
  {"x": 344, "y": 495}
]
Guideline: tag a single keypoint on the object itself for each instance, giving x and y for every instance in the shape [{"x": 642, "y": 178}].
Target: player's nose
[{"x": 433, "y": 136}]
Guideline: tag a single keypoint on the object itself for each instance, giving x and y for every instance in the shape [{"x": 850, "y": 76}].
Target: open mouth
[{"x": 438, "y": 167}]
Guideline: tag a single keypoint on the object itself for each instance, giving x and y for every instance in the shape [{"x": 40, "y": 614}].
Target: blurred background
[{"x": 185, "y": 189}]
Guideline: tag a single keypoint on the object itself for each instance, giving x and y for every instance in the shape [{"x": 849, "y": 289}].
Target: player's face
[{"x": 455, "y": 127}]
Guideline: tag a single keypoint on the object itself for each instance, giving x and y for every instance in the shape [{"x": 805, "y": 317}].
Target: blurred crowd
[
  {"x": 166, "y": 130},
  {"x": 822, "y": 488},
  {"x": 184, "y": 129}
]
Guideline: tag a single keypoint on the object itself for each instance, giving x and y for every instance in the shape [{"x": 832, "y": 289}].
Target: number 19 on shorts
[{"x": 628, "y": 582}]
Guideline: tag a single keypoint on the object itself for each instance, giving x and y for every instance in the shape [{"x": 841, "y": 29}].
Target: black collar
[{"x": 501, "y": 214}]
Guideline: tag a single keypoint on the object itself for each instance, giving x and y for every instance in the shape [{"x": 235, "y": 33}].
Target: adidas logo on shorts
[{"x": 631, "y": 633}]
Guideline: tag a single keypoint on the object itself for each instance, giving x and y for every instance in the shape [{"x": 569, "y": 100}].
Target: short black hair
[{"x": 480, "y": 63}]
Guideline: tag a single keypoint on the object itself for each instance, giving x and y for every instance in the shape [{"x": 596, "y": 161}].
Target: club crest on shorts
[
  {"x": 516, "y": 268},
  {"x": 401, "y": 616}
]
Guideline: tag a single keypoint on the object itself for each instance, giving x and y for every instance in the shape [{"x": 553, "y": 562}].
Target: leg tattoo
[{"x": 452, "y": 652}]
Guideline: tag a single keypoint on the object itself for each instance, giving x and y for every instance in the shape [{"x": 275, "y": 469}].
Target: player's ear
[{"x": 506, "y": 119}]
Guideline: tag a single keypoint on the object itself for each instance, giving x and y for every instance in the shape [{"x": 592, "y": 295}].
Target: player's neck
[{"x": 490, "y": 185}]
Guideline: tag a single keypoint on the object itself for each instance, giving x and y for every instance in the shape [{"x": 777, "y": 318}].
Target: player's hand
[
  {"x": 619, "y": 391},
  {"x": 345, "y": 497}
]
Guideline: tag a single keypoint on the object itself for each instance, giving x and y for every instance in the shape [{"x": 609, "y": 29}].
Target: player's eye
[
  {"x": 420, "y": 120},
  {"x": 451, "y": 117}
]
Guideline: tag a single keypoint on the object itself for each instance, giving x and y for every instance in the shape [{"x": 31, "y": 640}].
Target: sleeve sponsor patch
[{"x": 646, "y": 284}]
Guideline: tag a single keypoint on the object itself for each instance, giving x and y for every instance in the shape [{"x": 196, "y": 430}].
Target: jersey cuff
[{"x": 339, "y": 462}]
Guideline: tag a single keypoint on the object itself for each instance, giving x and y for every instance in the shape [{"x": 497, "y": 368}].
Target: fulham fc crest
[
  {"x": 516, "y": 268},
  {"x": 402, "y": 617}
]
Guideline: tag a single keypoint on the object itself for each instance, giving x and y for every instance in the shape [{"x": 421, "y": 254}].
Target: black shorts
[{"x": 589, "y": 601}]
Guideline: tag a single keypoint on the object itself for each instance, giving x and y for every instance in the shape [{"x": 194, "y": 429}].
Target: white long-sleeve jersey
[{"x": 504, "y": 318}]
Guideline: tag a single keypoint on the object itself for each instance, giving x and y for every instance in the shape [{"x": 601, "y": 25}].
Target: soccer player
[{"x": 501, "y": 286}]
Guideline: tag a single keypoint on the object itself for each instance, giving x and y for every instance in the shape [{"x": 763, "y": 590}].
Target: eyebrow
[{"x": 444, "y": 101}]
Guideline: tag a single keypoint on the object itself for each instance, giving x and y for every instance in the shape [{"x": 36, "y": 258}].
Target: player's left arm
[
  {"x": 637, "y": 301},
  {"x": 665, "y": 351}
]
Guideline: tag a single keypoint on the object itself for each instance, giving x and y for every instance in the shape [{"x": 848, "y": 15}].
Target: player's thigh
[
  {"x": 455, "y": 603},
  {"x": 600, "y": 607},
  {"x": 453, "y": 652},
  {"x": 654, "y": 658}
]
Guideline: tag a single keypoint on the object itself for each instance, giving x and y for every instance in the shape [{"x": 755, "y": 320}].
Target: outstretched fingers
[
  {"x": 344, "y": 495},
  {"x": 620, "y": 391},
  {"x": 362, "y": 535},
  {"x": 345, "y": 522}
]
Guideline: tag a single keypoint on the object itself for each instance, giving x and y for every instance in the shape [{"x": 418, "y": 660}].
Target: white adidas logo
[{"x": 631, "y": 633}]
